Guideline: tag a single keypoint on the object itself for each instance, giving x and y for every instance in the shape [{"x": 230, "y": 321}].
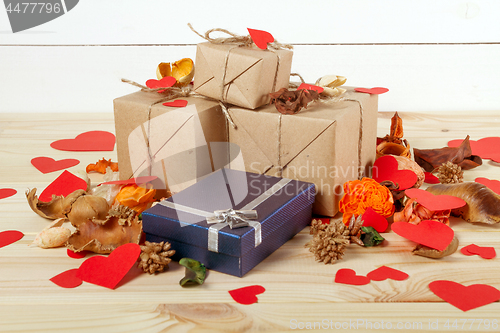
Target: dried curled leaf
[
  {"x": 102, "y": 165},
  {"x": 430, "y": 159},
  {"x": 121, "y": 226},
  {"x": 52, "y": 236},
  {"x": 56, "y": 208},
  {"x": 182, "y": 70},
  {"x": 428, "y": 252},
  {"x": 483, "y": 205},
  {"x": 292, "y": 101}
]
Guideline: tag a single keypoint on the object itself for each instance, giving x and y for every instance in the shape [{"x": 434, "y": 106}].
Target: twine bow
[{"x": 234, "y": 218}]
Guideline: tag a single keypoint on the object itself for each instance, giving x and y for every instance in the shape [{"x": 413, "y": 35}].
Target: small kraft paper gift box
[
  {"x": 242, "y": 76},
  {"x": 231, "y": 220},
  {"x": 170, "y": 143},
  {"x": 326, "y": 144}
]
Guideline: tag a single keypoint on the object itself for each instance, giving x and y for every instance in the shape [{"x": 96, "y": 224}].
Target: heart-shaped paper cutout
[
  {"x": 178, "y": 103},
  {"x": 138, "y": 181},
  {"x": 383, "y": 273},
  {"x": 430, "y": 233},
  {"x": 165, "y": 82},
  {"x": 386, "y": 168},
  {"x": 372, "y": 91},
  {"x": 67, "y": 279},
  {"x": 348, "y": 276},
  {"x": 88, "y": 141},
  {"x": 492, "y": 184},
  {"x": 108, "y": 272},
  {"x": 247, "y": 295},
  {"x": 260, "y": 38},
  {"x": 485, "y": 252},
  {"x": 487, "y": 148},
  {"x": 462, "y": 297},
  {"x": 373, "y": 219},
  {"x": 76, "y": 255},
  {"x": 430, "y": 178},
  {"x": 10, "y": 236},
  {"x": 434, "y": 202},
  {"x": 307, "y": 86},
  {"x": 63, "y": 185},
  {"x": 7, "y": 192},
  {"x": 47, "y": 164}
]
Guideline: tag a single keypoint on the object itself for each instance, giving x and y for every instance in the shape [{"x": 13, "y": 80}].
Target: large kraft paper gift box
[
  {"x": 242, "y": 76},
  {"x": 326, "y": 144},
  {"x": 276, "y": 209},
  {"x": 170, "y": 143}
]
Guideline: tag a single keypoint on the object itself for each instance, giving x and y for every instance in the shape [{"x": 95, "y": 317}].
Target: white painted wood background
[{"x": 433, "y": 55}]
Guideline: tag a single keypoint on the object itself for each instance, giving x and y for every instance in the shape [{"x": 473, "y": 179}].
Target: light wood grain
[{"x": 298, "y": 290}]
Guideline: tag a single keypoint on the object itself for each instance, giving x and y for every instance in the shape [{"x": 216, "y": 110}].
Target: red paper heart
[
  {"x": 430, "y": 233},
  {"x": 108, "y": 272},
  {"x": 386, "y": 168},
  {"x": 63, "y": 185},
  {"x": 88, "y": 141},
  {"x": 485, "y": 252},
  {"x": 383, "y": 273},
  {"x": 260, "y": 38},
  {"x": 488, "y": 148},
  {"x": 10, "y": 236},
  {"x": 76, "y": 255},
  {"x": 165, "y": 82},
  {"x": 372, "y": 219},
  {"x": 138, "y": 181},
  {"x": 348, "y": 276},
  {"x": 492, "y": 184},
  {"x": 434, "y": 202},
  {"x": 307, "y": 86},
  {"x": 7, "y": 192},
  {"x": 67, "y": 279},
  {"x": 430, "y": 178},
  {"x": 247, "y": 295},
  {"x": 372, "y": 91},
  {"x": 178, "y": 103},
  {"x": 462, "y": 297},
  {"x": 47, "y": 164}
]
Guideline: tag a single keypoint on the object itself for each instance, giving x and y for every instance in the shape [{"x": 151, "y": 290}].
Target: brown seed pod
[{"x": 428, "y": 252}]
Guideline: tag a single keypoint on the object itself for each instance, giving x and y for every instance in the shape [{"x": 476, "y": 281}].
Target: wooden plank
[
  {"x": 421, "y": 78},
  {"x": 335, "y": 21}
]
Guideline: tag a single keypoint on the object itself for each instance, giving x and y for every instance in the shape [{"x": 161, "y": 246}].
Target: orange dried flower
[
  {"x": 135, "y": 197},
  {"x": 362, "y": 194},
  {"x": 414, "y": 213},
  {"x": 101, "y": 166}
]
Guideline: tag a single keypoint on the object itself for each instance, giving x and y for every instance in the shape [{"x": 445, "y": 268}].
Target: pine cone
[
  {"x": 328, "y": 245},
  {"x": 316, "y": 226},
  {"x": 155, "y": 257},
  {"x": 450, "y": 173}
]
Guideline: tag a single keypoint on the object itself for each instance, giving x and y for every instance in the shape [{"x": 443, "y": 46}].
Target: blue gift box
[{"x": 200, "y": 221}]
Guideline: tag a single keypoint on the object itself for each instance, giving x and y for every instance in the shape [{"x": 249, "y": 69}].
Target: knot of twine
[{"x": 236, "y": 39}]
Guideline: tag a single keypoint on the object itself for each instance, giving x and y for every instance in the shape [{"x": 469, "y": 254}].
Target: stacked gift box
[{"x": 224, "y": 151}]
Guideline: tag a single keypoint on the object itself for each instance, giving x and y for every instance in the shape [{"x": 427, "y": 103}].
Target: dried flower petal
[
  {"x": 292, "y": 101},
  {"x": 102, "y": 165},
  {"x": 136, "y": 197}
]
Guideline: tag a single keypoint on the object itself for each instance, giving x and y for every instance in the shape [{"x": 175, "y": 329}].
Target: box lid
[{"x": 222, "y": 190}]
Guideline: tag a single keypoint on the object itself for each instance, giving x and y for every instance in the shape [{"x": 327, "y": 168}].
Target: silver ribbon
[
  {"x": 234, "y": 218},
  {"x": 218, "y": 220}
]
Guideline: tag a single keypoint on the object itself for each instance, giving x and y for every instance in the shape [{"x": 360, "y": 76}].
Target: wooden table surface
[{"x": 299, "y": 291}]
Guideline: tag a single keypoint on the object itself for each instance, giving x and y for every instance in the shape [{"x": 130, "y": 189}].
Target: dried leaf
[
  {"x": 56, "y": 208},
  {"x": 195, "y": 272},
  {"x": 292, "y": 101},
  {"x": 430, "y": 159},
  {"x": 396, "y": 133}
]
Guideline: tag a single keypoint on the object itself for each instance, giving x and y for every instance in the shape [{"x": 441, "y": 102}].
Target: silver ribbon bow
[{"x": 234, "y": 218}]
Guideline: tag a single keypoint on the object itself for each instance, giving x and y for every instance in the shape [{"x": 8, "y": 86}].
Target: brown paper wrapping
[
  {"x": 248, "y": 74},
  {"x": 325, "y": 144},
  {"x": 177, "y": 138}
]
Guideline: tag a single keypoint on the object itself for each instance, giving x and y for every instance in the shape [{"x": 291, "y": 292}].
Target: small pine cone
[
  {"x": 317, "y": 226},
  {"x": 155, "y": 257},
  {"x": 328, "y": 245},
  {"x": 450, "y": 173}
]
